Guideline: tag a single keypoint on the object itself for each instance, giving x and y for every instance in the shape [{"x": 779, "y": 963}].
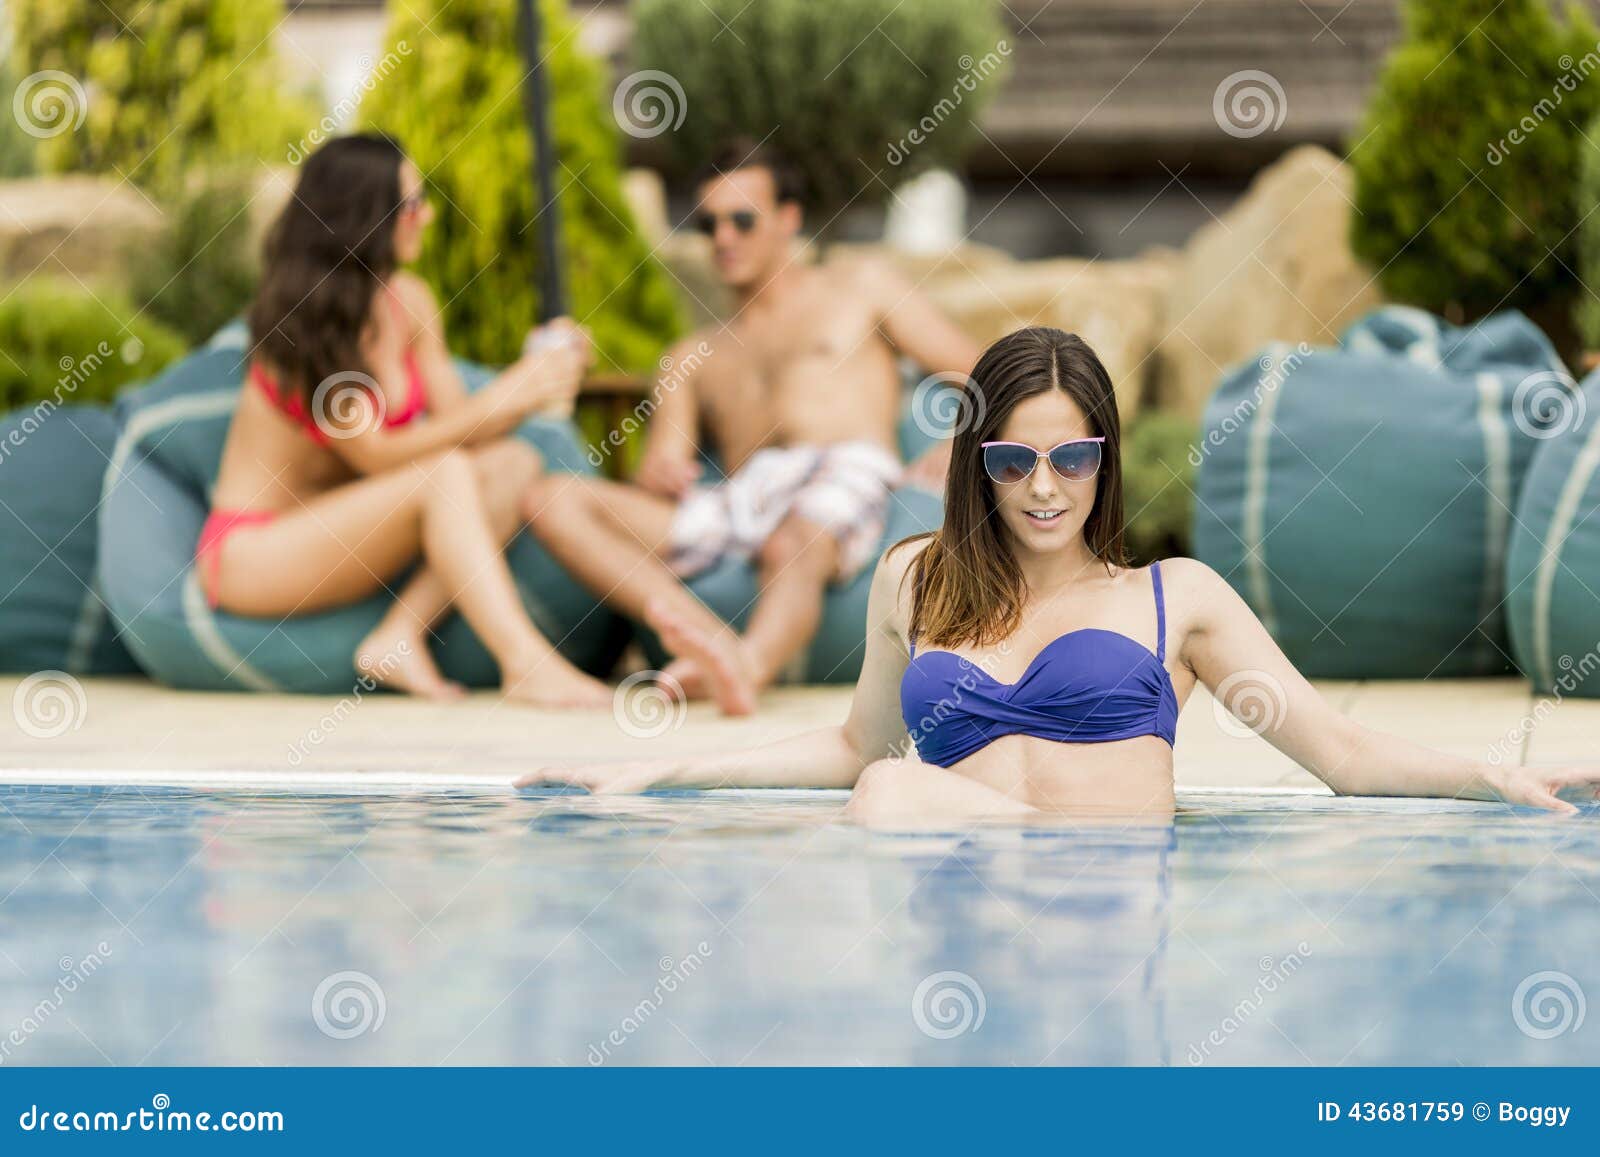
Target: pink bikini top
[{"x": 292, "y": 407}]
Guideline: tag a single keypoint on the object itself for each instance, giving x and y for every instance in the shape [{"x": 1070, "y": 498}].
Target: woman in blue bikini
[{"x": 1034, "y": 671}]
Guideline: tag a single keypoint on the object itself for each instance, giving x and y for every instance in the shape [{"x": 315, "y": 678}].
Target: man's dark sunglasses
[{"x": 743, "y": 220}]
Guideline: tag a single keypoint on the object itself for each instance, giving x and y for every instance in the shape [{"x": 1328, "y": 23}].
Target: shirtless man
[{"x": 799, "y": 393}]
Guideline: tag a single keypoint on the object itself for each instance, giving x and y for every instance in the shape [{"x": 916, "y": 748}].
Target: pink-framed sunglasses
[{"x": 1011, "y": 462}]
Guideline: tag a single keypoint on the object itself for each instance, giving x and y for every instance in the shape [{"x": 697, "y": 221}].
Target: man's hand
[
  {"x": 929, "y": 470},
  {"x": 666, "y": 474}
]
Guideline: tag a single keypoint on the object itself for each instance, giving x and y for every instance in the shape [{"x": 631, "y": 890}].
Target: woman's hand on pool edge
[
  {"x": 1537, "y": 786},
  {"x": 598, "y": 778}
]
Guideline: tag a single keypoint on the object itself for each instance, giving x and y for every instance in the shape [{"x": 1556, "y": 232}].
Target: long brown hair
[
  {"x": 324, "y": 259},
  {"x": 966, "y": 586}
]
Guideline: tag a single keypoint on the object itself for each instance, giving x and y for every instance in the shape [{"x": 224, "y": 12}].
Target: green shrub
[
  {"x": 68, "y": 346},
  {"x": 201, "y": 271},
  {"x": 169, "y": 82},
  {"x": 16, "y": 146},
  {"x": 845, "y": 88},
  {"x": 454, "y": 101},
  {"x": 1158, "y": 484},
  {"x": 1586, "y": 315},
  {"x": 1465, "y": 165}
]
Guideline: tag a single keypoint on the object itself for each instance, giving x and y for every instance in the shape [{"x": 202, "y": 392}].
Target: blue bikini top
[{"x": 1088, "y": 686}]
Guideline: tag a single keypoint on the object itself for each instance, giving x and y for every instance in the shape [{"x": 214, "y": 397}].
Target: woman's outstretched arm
[
  {"x": 1233, "y": 655},
  {"x": 826, "y": 757}
]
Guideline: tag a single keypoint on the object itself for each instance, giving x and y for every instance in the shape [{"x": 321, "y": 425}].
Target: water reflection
[{"x": 753, "y": 929}]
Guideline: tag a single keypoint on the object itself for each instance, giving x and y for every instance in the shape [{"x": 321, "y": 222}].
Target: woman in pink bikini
[{"x": 331, "y": 487}]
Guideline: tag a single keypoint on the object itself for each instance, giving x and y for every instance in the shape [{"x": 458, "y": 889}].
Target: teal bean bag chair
[
  {"x": 1553, "y": 566},
  {"x": 835, "y": 655},
  {"x": 52, "y": 617},
  {"x": 156, "y": 499},
  {"x": 1359, "y": 497}
]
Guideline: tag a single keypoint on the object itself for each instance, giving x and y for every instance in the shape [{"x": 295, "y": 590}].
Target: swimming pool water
[{"x": 169, "y": 927}]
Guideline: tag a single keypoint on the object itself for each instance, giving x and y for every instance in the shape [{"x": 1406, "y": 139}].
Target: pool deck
[{"x": 133, "y": 733}]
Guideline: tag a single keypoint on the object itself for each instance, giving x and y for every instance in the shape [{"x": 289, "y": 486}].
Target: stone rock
[
  {"x": 646, "y": 195},
  {"x": 1276, "y": 267},
  {"x": 71, "y": 226},
  {"x": 1115, "y": 306}
]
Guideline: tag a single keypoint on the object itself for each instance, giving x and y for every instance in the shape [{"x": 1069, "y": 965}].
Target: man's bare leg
[
  {"x": 612, "y": 538},
  {"x": 794, "y": 567}
]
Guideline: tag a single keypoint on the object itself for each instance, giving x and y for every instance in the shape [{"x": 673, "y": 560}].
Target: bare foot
[
  {"x": 400, "y": 660},
  {"x": 687, "y": 675},
  {"x": 720, "y": 663},
  {"x": 552, "y": 682}
]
